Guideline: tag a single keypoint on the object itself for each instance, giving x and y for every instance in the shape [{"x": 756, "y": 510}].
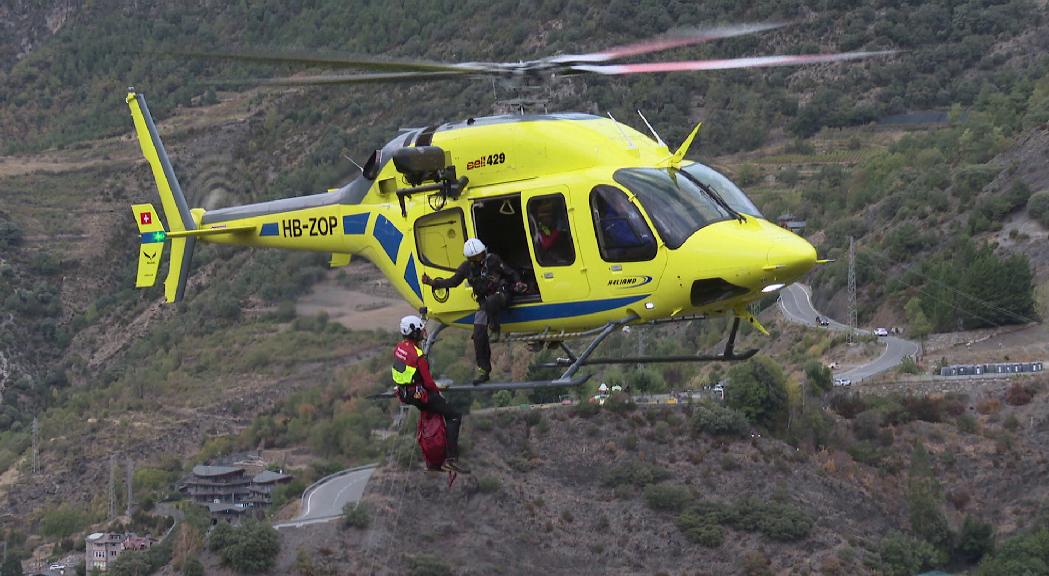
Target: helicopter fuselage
[{"x": 637, "y": 232}]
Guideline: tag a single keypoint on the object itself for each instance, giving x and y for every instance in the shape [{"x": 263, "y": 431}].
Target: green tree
[
  {"x": 1038, "y": 207},
  {"x": 975, "y": 540},
  {"x": 1022, "y": 554},
  {"x": 221, "y": 536},
  {"x": 131, "y": 563},
  {"x": 920, "y": 327},
  {"x": 254, "y": 548},
  {"x": 902, "y": 555},
  {"x": 818, "y": 377},
  {"x": 63, "y": 522},
  {"x": 758, "y": 389},
  {"x": 12, "y": 566},
  {"x": 925, "y": 502}
]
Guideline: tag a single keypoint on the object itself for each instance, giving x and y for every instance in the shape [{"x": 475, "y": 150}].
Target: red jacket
[{"x": 409, "y": 354}]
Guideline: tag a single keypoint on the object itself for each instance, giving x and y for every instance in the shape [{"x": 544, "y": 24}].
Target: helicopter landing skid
[
  {"x": 574, "y": 362},
  {"x": 490, "y": 386}
]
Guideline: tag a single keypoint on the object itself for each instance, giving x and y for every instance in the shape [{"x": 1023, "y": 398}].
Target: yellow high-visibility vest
[{"x": 403, "y": 373}]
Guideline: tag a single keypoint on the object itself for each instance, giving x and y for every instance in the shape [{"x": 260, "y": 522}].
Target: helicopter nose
[{"x": 789, "y": 258}]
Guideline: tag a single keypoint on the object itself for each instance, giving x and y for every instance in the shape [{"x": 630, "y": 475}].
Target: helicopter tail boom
[{"x": 176, "y": 211}]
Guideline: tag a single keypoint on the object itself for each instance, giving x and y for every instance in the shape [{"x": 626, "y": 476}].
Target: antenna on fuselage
[
  {"x": 651, "y": 129},
  {"x": 630, "y": 143},
  {"x": 354, "y": 162}
]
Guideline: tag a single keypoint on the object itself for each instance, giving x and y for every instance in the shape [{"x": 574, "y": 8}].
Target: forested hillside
[{"x": 950, "y": 216}]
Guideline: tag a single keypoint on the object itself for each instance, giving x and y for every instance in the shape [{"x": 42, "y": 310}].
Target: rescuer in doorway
[
  {"x": 415, "y": 386},
  {"x": 493, "y": 283}
]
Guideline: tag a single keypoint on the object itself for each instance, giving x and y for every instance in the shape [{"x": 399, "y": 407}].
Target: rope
[{"x": 392, "y": 454}]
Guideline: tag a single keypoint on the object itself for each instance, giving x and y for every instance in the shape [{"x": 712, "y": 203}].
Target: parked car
[
  {"x": 842, "y": 382},
  {"x": 821, "y": 321},
  {"x": 881, "y": 332}
]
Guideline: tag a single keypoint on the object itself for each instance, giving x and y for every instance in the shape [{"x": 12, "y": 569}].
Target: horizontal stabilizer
[{"x": 148, "y": 264}]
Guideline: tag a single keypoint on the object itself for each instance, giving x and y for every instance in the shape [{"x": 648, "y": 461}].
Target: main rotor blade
[
  {"x": 753, "y": 62},
  {"x": 336, "y": 60},
  {"x": 666, "y": 42},
  {"x": 331, "y": 79}
]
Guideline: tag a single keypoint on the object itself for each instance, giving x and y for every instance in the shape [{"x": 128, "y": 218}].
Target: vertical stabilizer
[{"x": 176, "y": 211}]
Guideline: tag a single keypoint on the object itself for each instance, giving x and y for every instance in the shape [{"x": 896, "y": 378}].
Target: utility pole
[
  {"x": 112, "y": 487},
  {"x": 36, "y": 445},
  {"x": 130, "y": 476},
  {"x": 852, "y": 291}
]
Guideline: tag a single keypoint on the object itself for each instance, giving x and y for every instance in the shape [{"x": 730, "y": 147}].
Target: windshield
[
  {"x": 723, "y": 187},
  {"x": 675, "y": 204}
]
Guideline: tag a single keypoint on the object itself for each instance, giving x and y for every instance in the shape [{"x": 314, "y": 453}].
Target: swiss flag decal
[{"x": 147, "y": 218}]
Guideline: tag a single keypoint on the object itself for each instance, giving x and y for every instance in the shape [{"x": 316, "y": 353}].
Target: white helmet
[
  {"x": 603, "y": 387},
  {"x": 473, "y": 247},
  {"x": 410, "y": 324}
]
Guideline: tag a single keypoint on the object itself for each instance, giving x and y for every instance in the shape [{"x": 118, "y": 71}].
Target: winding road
[
  {"x": 324, "y": 500},
  {"x": 796, "y": 302}
]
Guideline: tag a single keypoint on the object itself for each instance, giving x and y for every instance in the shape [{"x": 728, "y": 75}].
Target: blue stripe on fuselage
[
  {"x": 559, "y": 310},
  {"x": 412, "y": 278},
  {"x": 389, "y": 237},
  {"x": 355, "y": 223}
]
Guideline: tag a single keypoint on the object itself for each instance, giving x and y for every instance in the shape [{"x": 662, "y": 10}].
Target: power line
[
  {"x": 36, "y": 445},
  {"x": 957, "y": 292},
  {"x": 853, "y": 311}
]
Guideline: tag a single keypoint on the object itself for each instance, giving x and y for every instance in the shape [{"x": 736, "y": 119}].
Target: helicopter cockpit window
[
  {"x": 723, "y": 187},
  {"x": 622, "y": 234},
  {"x": 551, "y": 235},
  {"x": 676, "y": 205}
]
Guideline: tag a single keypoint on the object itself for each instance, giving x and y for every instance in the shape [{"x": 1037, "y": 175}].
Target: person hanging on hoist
[
  {"x": 415, "y": 386},
  {"x": 494, "y": 284}
]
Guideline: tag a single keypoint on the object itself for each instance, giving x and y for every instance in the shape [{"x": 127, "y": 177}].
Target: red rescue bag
[{"x": 431, "y": 435}]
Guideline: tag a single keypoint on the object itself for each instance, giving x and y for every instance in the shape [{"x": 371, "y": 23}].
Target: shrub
[
  {"x": 967, "y": 423},
  {"x": 193, "y": 567},
  {"x": 426, "y": 565},
  {"x": 1018, "y": 395},
  {"x": 701, "y": 526},
  {"x": 902, "y": 555},
  {"x": 635, "y": 474},
  {"x": 1038, "y": 207},
  {"x": 974, "y": 541},
  {"x": 867, "y": 424},
  {"x": 585, "y": 409},
  {"x": 355, "y": 515},
  {"x": 63, "y": 522},
  {"x": 619, "y": 403},
  {"x": 988, "y": 406},
  {"x": 848, "y": 405},
  {"x": 865, "y": 452},
  {"x": 718, "y": 420},
  {"x": 666, "y": 498},
  {"x": 488, "y": 484},
  {"x": 926, "y": 408},
  {"x": 779, "y": 521}
]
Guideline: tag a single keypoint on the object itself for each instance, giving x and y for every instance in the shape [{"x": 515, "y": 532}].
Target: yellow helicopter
[{"x": 644, "y": 235}]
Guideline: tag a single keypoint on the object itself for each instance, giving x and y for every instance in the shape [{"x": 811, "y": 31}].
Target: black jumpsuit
[{"x": 492, "y": 282}]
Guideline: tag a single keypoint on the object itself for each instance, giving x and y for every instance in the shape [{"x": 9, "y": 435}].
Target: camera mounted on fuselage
[{"x": 421, "y": 164}]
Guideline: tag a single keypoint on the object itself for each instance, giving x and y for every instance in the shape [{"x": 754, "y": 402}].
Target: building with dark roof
[{"x": 229, "y": 492}]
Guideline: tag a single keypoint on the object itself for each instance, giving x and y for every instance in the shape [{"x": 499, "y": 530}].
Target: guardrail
[{"x": 309, "y": 489}]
